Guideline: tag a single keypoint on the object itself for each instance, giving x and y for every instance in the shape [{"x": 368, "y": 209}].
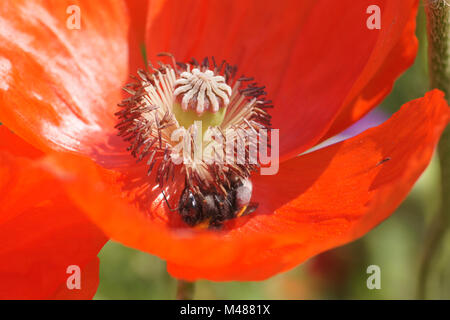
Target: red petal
[
  {"x": 311, "y": 55},
  {"x": 16, "y": 146},
  {"x": 41, "y": 233},
  {"x": 321, "y": 200},
  {"x": 378, "y": 77},
  {"x": 89, "y": 284},
  {"x": 60, "y": 87}
]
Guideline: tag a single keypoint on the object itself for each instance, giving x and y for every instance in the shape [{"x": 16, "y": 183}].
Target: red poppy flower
[{"x": 67, "y": 179}]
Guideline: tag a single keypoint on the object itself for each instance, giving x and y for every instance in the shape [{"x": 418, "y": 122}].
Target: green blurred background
[{"x": 396, "y": 245}]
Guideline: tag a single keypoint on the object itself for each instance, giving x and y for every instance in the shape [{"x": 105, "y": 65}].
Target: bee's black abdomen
[
  {"x": 189, "y": 208},
  {"x": 225, "y": 210},
  {"x": 216, "y": 208}
]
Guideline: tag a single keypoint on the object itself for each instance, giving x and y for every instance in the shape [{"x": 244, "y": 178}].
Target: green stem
[
  {"x": 438, "y": 25},
  {"x": 438, "y": 30},
  {"x": 185, "y": 290}
]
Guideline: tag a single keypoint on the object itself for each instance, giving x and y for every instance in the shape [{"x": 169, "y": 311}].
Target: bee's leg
[
  {"x": 250, "y": 208},
  {"x": 168, "y": 205}
]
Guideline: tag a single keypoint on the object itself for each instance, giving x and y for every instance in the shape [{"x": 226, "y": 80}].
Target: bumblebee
[{"x": 212, "y": 209}]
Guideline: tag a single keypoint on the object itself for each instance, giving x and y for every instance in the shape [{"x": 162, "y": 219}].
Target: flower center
[
  {"x": 167, "y": 105},
  {"x": 200, "y": 96},
  {"x": 202, "y": 91}
]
